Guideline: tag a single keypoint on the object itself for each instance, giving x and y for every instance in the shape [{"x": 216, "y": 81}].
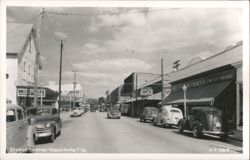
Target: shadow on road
[
  {"x": 43, "y": 141},
  {"x": 147, "y": 121},
  {"x": 209, "y": 138}
]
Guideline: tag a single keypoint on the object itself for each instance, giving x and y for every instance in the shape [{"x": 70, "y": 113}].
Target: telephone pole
[
  {"x": 37, "y": 65},
  {"x": 162, "y": 83},
  {"x": 74, "y": 82},
  {"x": 60, "y": 78}
]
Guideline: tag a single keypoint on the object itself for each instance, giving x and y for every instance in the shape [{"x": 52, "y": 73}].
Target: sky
[{"x": 106, "y": 45}]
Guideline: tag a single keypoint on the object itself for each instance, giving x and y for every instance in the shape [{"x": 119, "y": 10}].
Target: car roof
[{"x": 40, "y": 107}]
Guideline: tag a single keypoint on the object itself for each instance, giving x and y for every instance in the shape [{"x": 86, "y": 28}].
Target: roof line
[{"x": 209, "y": 57}]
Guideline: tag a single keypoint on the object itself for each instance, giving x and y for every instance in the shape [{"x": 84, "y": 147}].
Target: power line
[{"x": 109, "y": 13}]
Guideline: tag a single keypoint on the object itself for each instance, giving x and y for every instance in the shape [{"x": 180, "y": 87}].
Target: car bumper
[
  {"x": 149, "y": 118},
  {"x": 114, "y": 116},
  {"x": 218, "y": 133}
]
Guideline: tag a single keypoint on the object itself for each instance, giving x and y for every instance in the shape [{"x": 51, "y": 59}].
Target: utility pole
[
  {"x": 60, "y": 78},
  {"x": 74, "y": 82},
  {"x": 136, "y": 93},
  {"x": 162, "y": 83},
  {"x": 37, "y": 55}
]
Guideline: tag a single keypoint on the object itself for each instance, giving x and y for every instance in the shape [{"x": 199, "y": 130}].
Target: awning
[
  {"x": 156, "y": 96},
  {"x": 197, "y": 95}
]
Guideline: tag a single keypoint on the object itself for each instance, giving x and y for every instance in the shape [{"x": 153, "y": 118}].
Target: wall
[
  {"x": 29, "y": 58},
  {"x": 11, "y": 82}
]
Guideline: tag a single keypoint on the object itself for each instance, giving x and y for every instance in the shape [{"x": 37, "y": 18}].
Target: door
[{"x": 12, "y": 131}]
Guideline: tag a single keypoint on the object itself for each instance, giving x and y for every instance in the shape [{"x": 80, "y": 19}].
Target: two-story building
[{"x": 22, "y": 61}]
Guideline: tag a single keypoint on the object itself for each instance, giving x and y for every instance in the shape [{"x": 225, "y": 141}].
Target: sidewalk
[{"x": 238, "y": 135}]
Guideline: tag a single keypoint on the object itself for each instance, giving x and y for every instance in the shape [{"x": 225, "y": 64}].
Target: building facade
[
  {"x": 215, "y": 81},
  {"x": 22, "y": 61}
]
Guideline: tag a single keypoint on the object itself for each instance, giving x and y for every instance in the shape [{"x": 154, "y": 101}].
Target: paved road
[{"x": 94, "y": 133}]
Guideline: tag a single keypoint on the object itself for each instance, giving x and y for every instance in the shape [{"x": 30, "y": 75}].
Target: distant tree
[
  {"x": 101, "y": 100},
  {"x": 92, "y": 102},
  {"x": 107, "y": 92}
]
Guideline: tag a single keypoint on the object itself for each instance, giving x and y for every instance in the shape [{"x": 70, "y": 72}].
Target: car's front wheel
[
  {"x": 223, "y": 137},
  {"x": 52, "y": 138},
  {"x": 196, "y": 132},
  {"x": 180, "y": 128}
]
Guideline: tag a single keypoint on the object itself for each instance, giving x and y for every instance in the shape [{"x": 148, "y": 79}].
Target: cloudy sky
[{"x": 105, "y": 45}]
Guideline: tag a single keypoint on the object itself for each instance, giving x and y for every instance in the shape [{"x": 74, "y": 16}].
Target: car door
[
  {"x": 56, "y": 118},
  {"x": 12, "y": 135},
  {"x": 22, "y": 127}
]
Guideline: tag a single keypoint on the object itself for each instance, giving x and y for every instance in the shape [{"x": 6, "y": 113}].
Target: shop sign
[
  {"x": 146, "y": 91},
  {"x": 124, "y": 99},
  {"x": 224, "y": 76},
  {"x": 25, "y": 92}
]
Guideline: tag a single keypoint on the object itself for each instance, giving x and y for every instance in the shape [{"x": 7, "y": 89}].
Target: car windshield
[
  {"x": 175, "y": 111},
  {"x": 38, "y": 112},
  {"x": 114, "y": 109}
]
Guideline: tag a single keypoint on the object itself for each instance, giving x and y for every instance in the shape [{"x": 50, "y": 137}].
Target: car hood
[{"x": 39, "y": 119}]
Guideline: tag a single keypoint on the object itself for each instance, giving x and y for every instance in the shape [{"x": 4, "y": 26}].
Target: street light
[{"x": 184, "y": 87}]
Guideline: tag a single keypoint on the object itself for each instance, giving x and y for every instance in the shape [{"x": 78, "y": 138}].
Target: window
[
  {"x": 54, "y": 111},
  {"x": 30, "y": 47},
  {"x": 11, "y": 115},
  {"x": 20, "y": 114},
  {"x": 29, "y": 73},
  {"x": 24, "y": 70}
]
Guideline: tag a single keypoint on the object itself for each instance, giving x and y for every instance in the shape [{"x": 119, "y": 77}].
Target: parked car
[
  {"x": 114, "y": 112},
  {"x": 81, "y": 109},
  {"x": 168, "y": 116},
  {"x": 148, "y": 113},
  {"x": 205, "y": 120},
  {"x": 76, "y": 112},
  {"x": 19, "y": 135},
  {"x": 45, "y": 121}
]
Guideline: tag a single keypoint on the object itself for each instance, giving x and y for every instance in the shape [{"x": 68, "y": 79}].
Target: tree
[{"x": 101, "y": 100}]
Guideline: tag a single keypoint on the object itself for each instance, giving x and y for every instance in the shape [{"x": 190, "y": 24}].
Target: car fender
[
  {"x": 184, "y": 123},
  {"x": 164, "y": 119}
]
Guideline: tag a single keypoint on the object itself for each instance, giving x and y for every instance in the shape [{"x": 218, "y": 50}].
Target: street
[{"x": 94, "y": 133}]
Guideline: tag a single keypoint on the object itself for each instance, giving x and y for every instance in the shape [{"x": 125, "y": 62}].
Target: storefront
[{"x": 45, "y": 96}]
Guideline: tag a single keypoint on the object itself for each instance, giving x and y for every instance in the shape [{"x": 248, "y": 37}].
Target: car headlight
[
  {"x": 218, "y": 124},
  {"x": 48, "y": 125}
]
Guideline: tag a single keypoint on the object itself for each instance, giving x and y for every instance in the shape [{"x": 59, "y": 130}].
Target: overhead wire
[{"x": 109, "y": 13}]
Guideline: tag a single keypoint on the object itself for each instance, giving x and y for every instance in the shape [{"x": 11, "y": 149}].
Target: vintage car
[
  {"x": 148, "y": 113},
  {"x": 205, "y": 120},
  {"x": 168, "y": 116},
  {"x": 20, "y": 136},
  {"x": 77, "y": 112},
  {"x": 45, "y": 121},
  {"x": 114, "y": 112}
]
